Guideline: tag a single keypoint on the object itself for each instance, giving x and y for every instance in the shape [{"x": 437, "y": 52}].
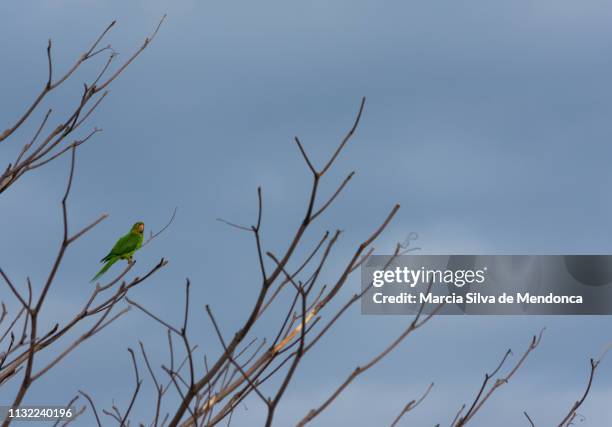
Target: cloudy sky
[{"x": 488, "y": 121}]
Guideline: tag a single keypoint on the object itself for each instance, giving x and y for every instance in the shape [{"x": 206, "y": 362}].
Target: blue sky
[{"x": 488, "y": 121}]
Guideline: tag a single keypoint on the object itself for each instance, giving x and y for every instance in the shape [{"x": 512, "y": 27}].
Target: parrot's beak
[{"x": 141, "y": 228}]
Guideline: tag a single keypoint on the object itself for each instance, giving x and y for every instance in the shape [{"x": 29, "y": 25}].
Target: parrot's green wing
[{"x": 125, "y": 246}]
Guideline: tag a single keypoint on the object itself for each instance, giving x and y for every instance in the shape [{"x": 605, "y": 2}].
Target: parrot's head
[{"x": 138, "y": 228}]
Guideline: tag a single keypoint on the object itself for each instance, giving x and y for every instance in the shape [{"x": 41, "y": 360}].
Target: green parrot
[{"x": 124, "y": 248}]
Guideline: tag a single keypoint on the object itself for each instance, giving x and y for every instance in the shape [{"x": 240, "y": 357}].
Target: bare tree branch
[
  {"x": 531, "y": 423},
  {"x": 93, "y": 406},
  {"x": 594, "y": 365},
  {"x": 482, "y": 397},
  {"x": 47, "y": 150},
  {"x": 411, "y": 405}
]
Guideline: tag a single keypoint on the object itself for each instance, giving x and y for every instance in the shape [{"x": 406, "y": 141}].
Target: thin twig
[{"x": 411, "y": 405}]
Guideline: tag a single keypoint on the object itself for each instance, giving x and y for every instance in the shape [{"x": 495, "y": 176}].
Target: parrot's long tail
[{"x": 108, "y": 265}]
